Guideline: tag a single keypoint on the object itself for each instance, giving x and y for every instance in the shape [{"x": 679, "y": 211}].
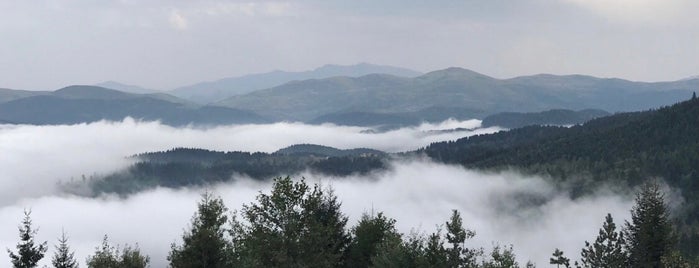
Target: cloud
[
  {"x": 417, "y": 193},
  {"x": 34, "y": 158},
  {"x": 637, "y": 11},
  {"x": 178, "y": 21}
]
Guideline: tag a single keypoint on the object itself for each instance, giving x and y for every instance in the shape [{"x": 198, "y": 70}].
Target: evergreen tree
[
  {"x": 367, "y": 235},
  {"x": 458, "y": 255},
  {"x": 204, "y": 245},
  {"x": 608, "y": 249},
  {"x": 502, "y": 259},
  {"x": 108, "y": 256},
  {"x": 64, "y": 258},
  {"x": 28, "y": 252},
  {"x": 558, "y": 259},
  {"x": 293, "y": 226},
  {"x": 649, "y": 234}
]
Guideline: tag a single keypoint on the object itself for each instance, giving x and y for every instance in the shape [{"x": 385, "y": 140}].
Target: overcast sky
[{"x": 165, "y": 44}]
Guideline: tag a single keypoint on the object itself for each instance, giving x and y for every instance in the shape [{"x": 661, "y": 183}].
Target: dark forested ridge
[
  {"x": 623, "y": 149},
  {"x": 560, "y": 117},
  {"x": 182, "y": 167}
]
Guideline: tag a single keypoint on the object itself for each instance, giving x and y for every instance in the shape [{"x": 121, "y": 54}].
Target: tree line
[{"x": 301, "y": 225}]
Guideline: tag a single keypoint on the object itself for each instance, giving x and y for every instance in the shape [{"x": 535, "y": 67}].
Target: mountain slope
[
  {"x": 126, "y": 88},
  {"x": 456, "y": 88},
  {"x": 560, "y": 117},
  {"x": 624, "y": 149},
  {"x": 13, "y": 94},
  {"x": 82, "y": 104},
  {"x": 208, "y": 92}
]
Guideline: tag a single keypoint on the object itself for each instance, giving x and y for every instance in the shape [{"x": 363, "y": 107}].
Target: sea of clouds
[{"x": 418, "y": 193}]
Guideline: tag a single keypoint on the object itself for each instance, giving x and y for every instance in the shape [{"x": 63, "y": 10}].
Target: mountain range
[
  {"x": 83, "y": 104},
  {"x": 455, "y": 88},
  {"x": 377, "y": 99},
  {"x": 207, "y": 92}
]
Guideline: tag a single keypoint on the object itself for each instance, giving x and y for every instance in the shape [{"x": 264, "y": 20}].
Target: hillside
[
  {"x": 624, "y": 149},
  {"x": 181, "y": 167},
  {"x": 454, "y": 88},
  {"x": 82, "y": 104},
  {"x": 559, "y": 117},
  {"x": 207, "y": 92}
]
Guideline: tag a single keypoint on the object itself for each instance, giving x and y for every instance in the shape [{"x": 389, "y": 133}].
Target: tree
[
  {"x": 649, "y": 234},
  {"x": 293, "y": 226},
  {"x": 367, "y": 235},
  {"x": 28, "y": 252},
  {"x": 608, "y": 249},
  {"x": 370, "y": 237},
  {"x": 205, "y": 244},
  {"x": 458, "y": 255},
  {"x": 64, "y": 258},
  {"x": 108, "y": 256},
  {"x": 558, "y": 259},
  {"x": 502, "y": 259}
]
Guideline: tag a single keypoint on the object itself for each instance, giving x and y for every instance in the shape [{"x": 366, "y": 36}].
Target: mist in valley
[{"x": 502, "y": 208}]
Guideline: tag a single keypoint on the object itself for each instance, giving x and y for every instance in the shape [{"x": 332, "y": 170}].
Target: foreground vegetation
[{"x": 301, "y": 225}]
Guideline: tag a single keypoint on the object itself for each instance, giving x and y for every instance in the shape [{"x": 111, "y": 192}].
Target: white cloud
[
  {"x": 638, "y": 11},
  {"x": 178, "y": 21},
  {"x": 34, "y": 158},
  {"x": 417, "y": 193}
]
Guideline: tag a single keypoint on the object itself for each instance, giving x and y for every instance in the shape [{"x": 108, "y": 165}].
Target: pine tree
[
  {"x": 458, "y": 255},
  {"x": 367, "y": 236},
  {"x": 608, "y": 249},
  {"x": 28, "y": 253},
  {"x": 558, "y": 259},
  {"x": 64, "y": 258},
  {"x": 649, "y": 234},
  {"x": 108, "y": 256},
  {"x": 205, "y": 244}
]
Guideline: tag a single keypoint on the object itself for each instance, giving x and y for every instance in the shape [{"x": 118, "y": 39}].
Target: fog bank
[
  {"x": 419, "y": 194},
  {"x": 34, "y": 158}
]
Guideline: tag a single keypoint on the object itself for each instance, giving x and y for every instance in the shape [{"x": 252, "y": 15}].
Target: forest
[{"x": 301, "y": 225}]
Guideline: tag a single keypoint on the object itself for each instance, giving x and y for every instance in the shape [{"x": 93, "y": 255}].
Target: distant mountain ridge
[
  {"x": 558, "y": 117},
  {"x": 454, "y": 88},
  {"x": 84, "y": 104},
  {"x": 126, "y": 88},
  {"x": 207, "y": 92}
]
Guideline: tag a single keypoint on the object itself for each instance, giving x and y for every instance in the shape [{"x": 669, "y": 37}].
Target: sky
[
  {"x": 158, "y": 44},
  {"x": 417, "y": 192}
]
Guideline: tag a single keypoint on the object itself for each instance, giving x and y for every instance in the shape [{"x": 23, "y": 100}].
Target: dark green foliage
[
  {"x": 205, "y": 244},
  {"x": 182, "y": 167},
  {"x": 502, "y": 259},
  {"x": 29, "y": 253},
  {"x": 559, "y": 259},
  {"x": 550, "y": 117},
  {"x": 623, "y": 149},
  {"x": 608, "y": 250},
  {"x": 649, "y": 234},
  {"x": 367, "y": 235},
  {"x": 458, "y": 255},
  {"x": 109, "y": 256},
  {"x": 63, "y": 257},
  {"x": 293, "y": 226}
]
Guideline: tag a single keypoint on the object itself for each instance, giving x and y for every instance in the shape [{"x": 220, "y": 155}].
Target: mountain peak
[
  {"x": 455, "y": 72},
  {"x": 89, "y": 92}
]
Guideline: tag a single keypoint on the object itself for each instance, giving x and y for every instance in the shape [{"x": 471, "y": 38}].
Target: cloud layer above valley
[{"x": 418, "y": 193}]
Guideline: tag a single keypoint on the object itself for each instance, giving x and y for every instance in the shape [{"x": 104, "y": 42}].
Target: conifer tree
[
  {"x": 64, "y": 258},
  {"x": 649, "y": 234},
  {"x": 205, "y": 244},
  {"x": 608, "y": 249},
  {"x": 458, "y": 255},
  {"x": 367, "y": 235},
  {"x": 28, "y": 252},
  {"x": 109, "y": 256},
  {"x": 559, "y": 259}
]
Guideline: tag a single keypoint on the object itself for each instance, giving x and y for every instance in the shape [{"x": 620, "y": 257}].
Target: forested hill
[
  {"x": 625, "y": 148},
  {"x": 182, "y": 167},
  {"x": 560, "y": 117}
]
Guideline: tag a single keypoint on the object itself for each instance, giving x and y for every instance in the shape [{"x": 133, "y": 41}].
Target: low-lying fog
[{"x": 417, "y": 193}]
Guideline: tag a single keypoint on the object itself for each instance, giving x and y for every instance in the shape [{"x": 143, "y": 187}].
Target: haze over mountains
[
  {"x": 352, "y": 98},
  {"x": 207, "y": 92}
]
